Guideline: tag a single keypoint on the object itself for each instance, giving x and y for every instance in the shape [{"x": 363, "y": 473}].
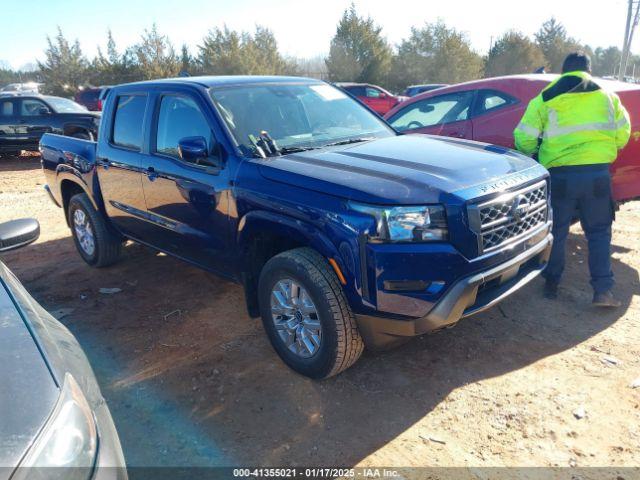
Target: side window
[
  {"x": 128, "y": 120},
  {"x": 448, "y": 108},
  {"x": 489, "y": 100},
  {"x": 180, "y": 117},
  {"x": 357, "y": 91},
  {"x": 6, "y": 108},
  {"x": 373, "y": 92},
  {"x": 32, "y": 108}
]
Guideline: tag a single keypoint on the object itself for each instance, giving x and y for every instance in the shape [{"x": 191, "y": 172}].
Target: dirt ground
[{"x": 191, "y": 380}]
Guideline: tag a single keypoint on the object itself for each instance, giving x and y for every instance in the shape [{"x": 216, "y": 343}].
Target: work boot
[
  {"x": 550, "y": 290},
  {"x": 605, "y": 299}
]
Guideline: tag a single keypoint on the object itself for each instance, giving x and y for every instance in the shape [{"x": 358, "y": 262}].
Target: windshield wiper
[
  {"x": 349, "y": 141},
  {"x": 265, "y": 146},
  {"x": 285, "y": 150}
]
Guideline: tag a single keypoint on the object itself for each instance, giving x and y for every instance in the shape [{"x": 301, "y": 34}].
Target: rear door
[
  {"x": 495, "y": 117},
  {"x": 8, "y": 123},
  {"x": 447, "y": 115},
  {"x": 186, "y": 201},
  {"x": 119, "y": 159},
  {"x": 625, "y": 171}
]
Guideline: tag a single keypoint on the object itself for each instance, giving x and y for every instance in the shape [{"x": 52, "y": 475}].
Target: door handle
[{"x": 151, "y": 174}]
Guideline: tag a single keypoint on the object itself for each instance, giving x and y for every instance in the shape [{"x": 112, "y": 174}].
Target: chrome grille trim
[{"x": 509, "y": 217}]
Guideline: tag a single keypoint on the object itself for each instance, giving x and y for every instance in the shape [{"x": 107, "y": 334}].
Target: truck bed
[{"x": 67, "y": 157}]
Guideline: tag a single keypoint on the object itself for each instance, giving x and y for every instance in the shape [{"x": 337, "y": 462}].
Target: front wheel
[
  {"x": 306, "y": 315},
  {"x": 96, "y": 243}
]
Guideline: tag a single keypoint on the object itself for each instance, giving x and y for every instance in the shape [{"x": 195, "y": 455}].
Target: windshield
[
  {"x": 64, "y": 105},
  {"x": 296, "y": 116}
]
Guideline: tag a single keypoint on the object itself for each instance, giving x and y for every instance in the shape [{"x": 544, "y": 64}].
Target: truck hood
[{"x": 407, "y": 169}]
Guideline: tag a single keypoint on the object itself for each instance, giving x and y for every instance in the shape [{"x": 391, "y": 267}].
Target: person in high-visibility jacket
[{"x": 576, "y": 129}]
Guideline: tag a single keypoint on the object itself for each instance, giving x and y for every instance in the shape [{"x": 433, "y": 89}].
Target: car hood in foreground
[
  {"x": 28, "y": 392},
  {"x": 407, "y": 169}
]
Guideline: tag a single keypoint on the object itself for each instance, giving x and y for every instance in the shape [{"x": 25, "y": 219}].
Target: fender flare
[
  {"x": 85, "y": 181},
  {"x": 261, "y": 221},
  {"x": 301, "y": 232}
]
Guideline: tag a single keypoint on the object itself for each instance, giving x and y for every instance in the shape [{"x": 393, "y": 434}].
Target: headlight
[
  {"x": 408, "y": 224},
  {"x": 66, "y": 448}
]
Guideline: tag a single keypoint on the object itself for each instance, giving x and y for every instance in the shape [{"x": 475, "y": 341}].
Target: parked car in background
[
  {"x": 342, "y": 232},
  {"x": 91, "y": 98},
  {"x": 103, "y": 96},
  {"x": 413, "y": 90},
  {"x": 376, "y": 98},
  {"x": 54, "y": 421},
  {"x": 24, "y": 119},
  {"x": 489, "y": 110},
  {"x": 14, "y": 89}
]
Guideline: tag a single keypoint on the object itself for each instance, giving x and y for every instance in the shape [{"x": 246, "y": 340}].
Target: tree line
[{"x": 359, "y": 52}]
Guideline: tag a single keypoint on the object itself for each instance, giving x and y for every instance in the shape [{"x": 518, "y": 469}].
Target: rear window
[
  {"x": 489, "y": 100},
  {"x": 127, "y": 122}
]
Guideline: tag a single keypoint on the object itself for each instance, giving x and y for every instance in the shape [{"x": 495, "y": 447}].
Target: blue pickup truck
[{"x": 342, "y": 232}]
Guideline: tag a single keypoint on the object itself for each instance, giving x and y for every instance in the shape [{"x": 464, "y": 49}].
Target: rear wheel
[
  {"x": 306, "y": 315},
  {"x": 96, "y": 243}
]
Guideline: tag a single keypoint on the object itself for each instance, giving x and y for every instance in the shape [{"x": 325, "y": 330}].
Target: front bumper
[
  {"x": 110, "y": 464},
  {"x": 469, "y": 295}
]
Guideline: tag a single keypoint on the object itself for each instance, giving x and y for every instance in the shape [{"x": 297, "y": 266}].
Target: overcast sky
[{"x": 303, "y": 28}]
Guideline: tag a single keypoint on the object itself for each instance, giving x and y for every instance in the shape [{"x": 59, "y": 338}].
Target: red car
[
  {"x": 91, "y": 98},
  {"x": 488, "y": 111},
  {"x": 376, "y": 98}
]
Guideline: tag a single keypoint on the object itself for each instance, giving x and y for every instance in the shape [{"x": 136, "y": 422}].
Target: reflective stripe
[
  {"x": 621, "y": 123},
  {"x": 554, "y": 130},
  {"x": 612, "y": 110},
  {"x": 528, "y": 130},
  {"x": 586, "y": 127}
]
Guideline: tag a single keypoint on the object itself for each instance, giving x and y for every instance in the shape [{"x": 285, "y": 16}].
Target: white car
[{"x": 29, "y": 88}]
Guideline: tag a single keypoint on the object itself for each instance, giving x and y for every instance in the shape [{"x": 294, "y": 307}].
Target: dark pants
[{"x": 583, "y": 192}]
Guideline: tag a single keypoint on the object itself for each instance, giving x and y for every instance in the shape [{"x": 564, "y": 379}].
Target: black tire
[
  {"x": 107, "y": 244},
  {"x": 11, "y": 153},
  {"x": 341, "y": 344},
  {"x": 82, "y": 135}
]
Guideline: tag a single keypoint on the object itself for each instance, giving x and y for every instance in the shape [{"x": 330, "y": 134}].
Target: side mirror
[
  {"x": 193, "y": 149},
  {"x": 44, "y": 111},
  {"x": 18, "y": 233}
]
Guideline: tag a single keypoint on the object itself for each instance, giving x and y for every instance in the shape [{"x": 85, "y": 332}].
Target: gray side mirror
[{"x": 18, "y": 233}]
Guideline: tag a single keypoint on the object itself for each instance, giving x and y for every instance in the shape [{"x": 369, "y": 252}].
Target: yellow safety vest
[{"x": 582, "y": 126}]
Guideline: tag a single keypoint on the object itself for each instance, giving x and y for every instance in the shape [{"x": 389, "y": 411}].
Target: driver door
[
  {"x": 35, "y": 119},
  {"x": 377, "y": 100},
  {"x": 446, "y": 115},
  {"x": 186, "y": 202}
]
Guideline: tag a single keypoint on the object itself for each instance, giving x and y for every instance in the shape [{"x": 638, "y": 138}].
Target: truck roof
[{"x": 227, "y": 80}]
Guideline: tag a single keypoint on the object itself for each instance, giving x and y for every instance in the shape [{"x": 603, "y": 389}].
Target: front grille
[{"x": 510, "y": 216}]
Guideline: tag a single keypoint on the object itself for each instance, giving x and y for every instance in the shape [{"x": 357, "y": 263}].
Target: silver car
[{"x": 54, "y": 422}]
